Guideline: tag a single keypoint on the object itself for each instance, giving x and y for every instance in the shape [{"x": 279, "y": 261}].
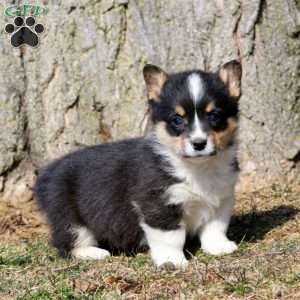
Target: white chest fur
[{"x": 205, "y": 185}]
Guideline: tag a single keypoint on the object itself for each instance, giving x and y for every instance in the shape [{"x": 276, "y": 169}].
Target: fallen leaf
[{"x": 85, "y": 286}]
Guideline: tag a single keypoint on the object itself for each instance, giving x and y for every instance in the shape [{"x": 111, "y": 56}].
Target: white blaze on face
[
  {"x": 196, "y": 90},
  {"x": 196, "y": 87},
  {"x": 197, "y": 135}
]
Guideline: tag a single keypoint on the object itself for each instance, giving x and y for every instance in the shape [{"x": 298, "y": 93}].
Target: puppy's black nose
[{"x": 199, "y": 145}]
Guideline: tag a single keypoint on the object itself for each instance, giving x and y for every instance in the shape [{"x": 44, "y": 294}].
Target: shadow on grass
[{"x": 253, "y": 226}]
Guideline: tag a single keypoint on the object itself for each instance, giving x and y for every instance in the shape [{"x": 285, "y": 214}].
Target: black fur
[{"x": 96, "y": 187}]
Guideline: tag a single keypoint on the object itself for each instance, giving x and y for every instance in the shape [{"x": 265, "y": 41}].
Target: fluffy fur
[{"x": 154, "y": 190}]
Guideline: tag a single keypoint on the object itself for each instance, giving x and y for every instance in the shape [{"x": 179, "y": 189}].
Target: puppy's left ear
[
  {"x": 231, "y": 74},
  {"x": 155, "y": 78}
]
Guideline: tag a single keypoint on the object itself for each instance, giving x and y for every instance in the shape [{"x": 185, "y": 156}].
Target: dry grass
[{"x": 266, "y": 266}]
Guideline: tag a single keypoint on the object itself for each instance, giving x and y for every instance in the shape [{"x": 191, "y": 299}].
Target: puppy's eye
[
  {"x": 177, "y": 120},
  {"x": 177, "y": 123},
  {"x": 215, "y": 119}
]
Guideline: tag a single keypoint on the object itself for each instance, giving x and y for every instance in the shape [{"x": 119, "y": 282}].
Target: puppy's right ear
[{"x": 155, "y": 78}]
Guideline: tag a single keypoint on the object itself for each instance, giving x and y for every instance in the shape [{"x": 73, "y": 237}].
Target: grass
[{"x": 266, "y": 265}]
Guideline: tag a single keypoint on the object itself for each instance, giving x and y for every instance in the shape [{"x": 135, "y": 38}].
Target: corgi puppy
[{"x": 153, "y": 191}]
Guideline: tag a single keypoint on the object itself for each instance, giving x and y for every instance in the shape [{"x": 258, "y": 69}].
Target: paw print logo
[{"x": 24, "y": 31}]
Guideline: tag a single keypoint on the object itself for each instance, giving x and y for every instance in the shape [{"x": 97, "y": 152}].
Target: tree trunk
[{"x": 83, "y": 84}]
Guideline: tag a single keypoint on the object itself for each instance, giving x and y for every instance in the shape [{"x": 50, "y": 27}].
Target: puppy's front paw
[
  {"x": 176, "y": 258},
  {"x": 181, "y": 264},
  {"x": 219, "y": 247},
  {"x": 90, "y": 253}
]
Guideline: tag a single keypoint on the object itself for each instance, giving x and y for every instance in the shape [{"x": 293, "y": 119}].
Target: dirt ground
[{"x": 22, "y": 222}]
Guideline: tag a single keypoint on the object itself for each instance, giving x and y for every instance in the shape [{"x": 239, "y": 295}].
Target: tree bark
[{"x": 83, "y": 85}]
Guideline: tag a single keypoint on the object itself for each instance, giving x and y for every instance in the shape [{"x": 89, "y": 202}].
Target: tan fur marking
[
  {"x": 155, "y": 88},
  {"x": 175, "y": 142},
  {"x": 180, "y": 110},
  {"x": 235, "y": 89},
  {"x": 155, "y": 78},
  {"x": 223, "y": 74},
  {"x": 223, "y": 138},
  {"x": 210, "y": 107},
  {"x": 231, "y": 74}
]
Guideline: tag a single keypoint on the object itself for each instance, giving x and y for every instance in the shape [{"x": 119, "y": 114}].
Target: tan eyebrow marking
[
  {"x": 210, "y": 107},
  {"x": 180, "y": 110}
]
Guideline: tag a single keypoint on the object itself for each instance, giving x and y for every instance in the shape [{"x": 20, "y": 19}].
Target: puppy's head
[{"x": 195, "y": 113}]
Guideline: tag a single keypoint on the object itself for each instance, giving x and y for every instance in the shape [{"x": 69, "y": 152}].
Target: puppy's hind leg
[
  {"x": 85, "y": 245},
  {"x": 55, "y": 192}
]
